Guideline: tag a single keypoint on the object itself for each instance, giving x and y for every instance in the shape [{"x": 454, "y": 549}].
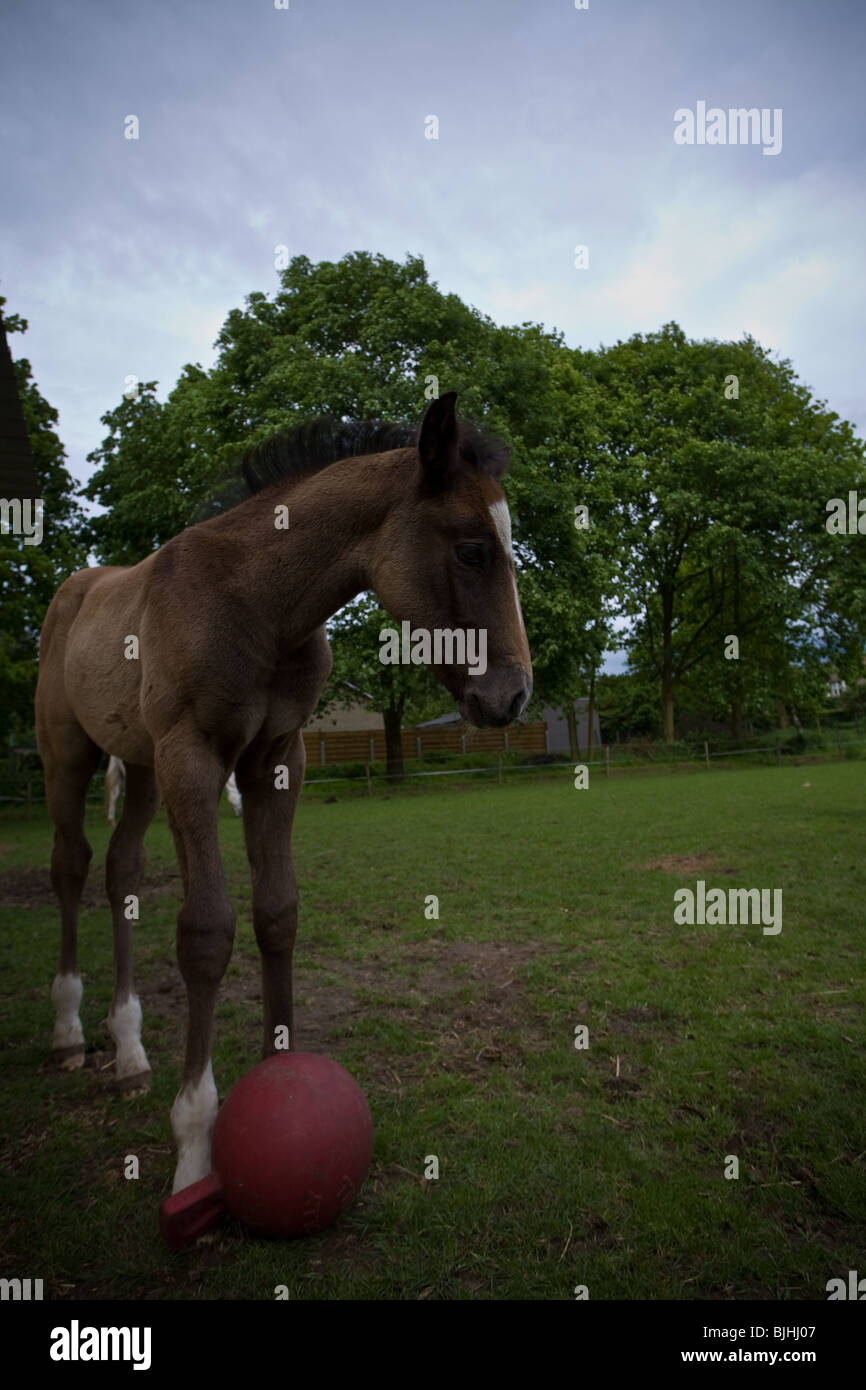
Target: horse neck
[{"x": 304, "y": 573}]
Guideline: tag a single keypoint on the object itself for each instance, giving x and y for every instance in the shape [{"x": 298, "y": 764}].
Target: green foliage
[
  {"x": 143, "y": 479},
  {"x": 706, "y": 509},
  {"x": 370, "y": 338},
  {"x": 628, "y": 706},
  {"x": 721, "y": 506},
  {"x": 30, "y": 574}
]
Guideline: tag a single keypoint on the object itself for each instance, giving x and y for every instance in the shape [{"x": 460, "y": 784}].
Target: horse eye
[{"x": 470, "y": 554}]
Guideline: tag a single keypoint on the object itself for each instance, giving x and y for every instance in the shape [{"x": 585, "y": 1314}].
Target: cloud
[{"x": 307, "y": 129}]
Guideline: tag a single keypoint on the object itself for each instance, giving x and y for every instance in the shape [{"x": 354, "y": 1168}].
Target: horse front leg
[
  {"x": 191, "y": 780},
  {"x": 270, "y": 781}
]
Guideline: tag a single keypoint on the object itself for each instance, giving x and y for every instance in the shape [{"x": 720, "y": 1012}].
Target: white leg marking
[
  {"x": 66, "y": 992},
  {"x": 124, "y": 1025},
  {"x": 192, "y": 1119}
]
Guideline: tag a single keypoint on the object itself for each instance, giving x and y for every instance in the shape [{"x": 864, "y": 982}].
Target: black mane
[
  {"x": 307, "y": 448},
  {"x": 313, "y": 445}
]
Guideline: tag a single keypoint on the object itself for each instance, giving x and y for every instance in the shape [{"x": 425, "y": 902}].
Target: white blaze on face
[
  {"x": 501, "y": 518},
  {"x": 502, "y": 521}
]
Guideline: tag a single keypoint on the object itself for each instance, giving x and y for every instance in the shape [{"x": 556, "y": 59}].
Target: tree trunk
[
  {"x": 392, "y": 715},
  {"x": 668, "y": 712},
  {"x": 668, "y": 682},
  {"x": 737, "y": 700},
  {"x": 573, "y": 742},
  {"x": 782, "y": 712},
  {"x": 590, "y": 714}
]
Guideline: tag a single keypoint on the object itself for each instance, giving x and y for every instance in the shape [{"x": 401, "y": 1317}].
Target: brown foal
[{"x": 210, "y": 655}]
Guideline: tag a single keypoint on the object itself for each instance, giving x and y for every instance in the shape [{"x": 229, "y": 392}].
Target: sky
[{"x": 305, "y": 127}]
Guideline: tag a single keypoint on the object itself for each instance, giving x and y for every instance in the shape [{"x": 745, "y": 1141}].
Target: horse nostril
[
  {"x": 516, "y": 705},
  {"x": 474, "y": 707}
]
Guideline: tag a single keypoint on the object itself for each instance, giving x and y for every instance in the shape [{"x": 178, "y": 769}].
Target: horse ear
[{"x": 437, "y": 441}]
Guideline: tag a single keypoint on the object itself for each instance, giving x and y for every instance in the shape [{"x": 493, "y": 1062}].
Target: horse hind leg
[
  {"x": 66, "y": 786},
  {"x": 124, "y": 866}
]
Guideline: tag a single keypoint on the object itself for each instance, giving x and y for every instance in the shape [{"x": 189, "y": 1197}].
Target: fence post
[
  {"x": 373, "y": 748},
  {"x": 322, "y": 759},
  {"x": 607, "y": 759},
  {"x": 506, "y": 740},
  {"x": 418, "y": 745},
  {"x": 369, "y": 783},
  {"x": 462, "y": 743},
  {"x": 500, "y": 769},
  {"x": 707, "y": 754}
]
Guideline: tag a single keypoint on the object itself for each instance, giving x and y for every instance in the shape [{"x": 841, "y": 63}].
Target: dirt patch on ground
[
  {"x": 325, "y": 1012},
  {"x": 642, "y": 1020},
  {"x": 465, "y": 998},
  {"x": 836, "y": 1006},
  {"x": 687, "y": 864},
  {"x": 491, "y": 963},
  {"x": 32, "y": 888}
]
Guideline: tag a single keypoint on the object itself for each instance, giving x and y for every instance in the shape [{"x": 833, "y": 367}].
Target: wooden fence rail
[{"x": 344, "y": 746}]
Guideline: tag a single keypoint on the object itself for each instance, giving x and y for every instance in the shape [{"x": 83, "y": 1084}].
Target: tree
[
  {"x": 133, "y": 484},
  {"x": 565, "y": 515},
  {"x": 365, "y": 338},
  {"x": 401, "y": 693},
  {"x": 723, "y": 463},
  {"x": 627, "y": 705},
  {"x": 30, "y": 574}
]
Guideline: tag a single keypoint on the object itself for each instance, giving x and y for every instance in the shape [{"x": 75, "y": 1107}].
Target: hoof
[
  {"x": 69, "y": 1058},
  {"x": 131, "y": 1085}
]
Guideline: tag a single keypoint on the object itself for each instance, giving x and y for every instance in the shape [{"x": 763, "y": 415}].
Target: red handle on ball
[{"x": 191, "y": 1212}]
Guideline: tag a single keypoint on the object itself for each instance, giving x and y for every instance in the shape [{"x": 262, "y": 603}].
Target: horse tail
[
  {"x": 115, "y": 779},
  {"x": 234, "y": 796}
]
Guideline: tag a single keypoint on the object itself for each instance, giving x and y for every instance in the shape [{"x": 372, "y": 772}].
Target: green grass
[{"x": 558, "y": 1166}]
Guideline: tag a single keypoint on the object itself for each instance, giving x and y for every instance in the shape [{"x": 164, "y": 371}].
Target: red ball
[{"x": 292, "y": 1144}]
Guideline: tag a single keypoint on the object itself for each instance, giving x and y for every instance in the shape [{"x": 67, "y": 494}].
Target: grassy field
[{"x": 558, "y": 1166}]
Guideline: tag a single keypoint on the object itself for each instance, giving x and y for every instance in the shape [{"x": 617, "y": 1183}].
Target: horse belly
[
  {"x": 102, "y": 672},
  {"x": 113, "y": 728}
]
